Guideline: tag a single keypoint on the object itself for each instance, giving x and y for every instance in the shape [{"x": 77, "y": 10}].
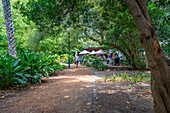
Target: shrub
[
  {"x": 62, "y": 67},
  {"x": 8, "y": 67},
  {"x": 28, "y": 67},
  {"x": 95, "y": 62},
  {"x": 64, "y": 58}
]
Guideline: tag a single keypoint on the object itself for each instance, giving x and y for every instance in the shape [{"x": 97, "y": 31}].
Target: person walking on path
[
  {"x": 117, "y": 58},
  {"x": 82, "y": 60},
  {"x": 77, "y": 60},
  {"x": 109, "y": 58}
]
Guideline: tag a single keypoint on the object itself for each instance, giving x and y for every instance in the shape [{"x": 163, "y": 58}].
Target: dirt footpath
[
  {"x": 70, "y": 92},
  {"x": 78, "y": 91},
  {"x": 120, "y": 97}
]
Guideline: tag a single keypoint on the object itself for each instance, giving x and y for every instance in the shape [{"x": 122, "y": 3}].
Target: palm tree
[{"x": 9, "y": 28}]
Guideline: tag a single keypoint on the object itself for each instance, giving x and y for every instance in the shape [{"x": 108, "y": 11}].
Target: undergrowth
[
  {"x": 134, "y": 78},
  {"x": 29, "y": 67}
]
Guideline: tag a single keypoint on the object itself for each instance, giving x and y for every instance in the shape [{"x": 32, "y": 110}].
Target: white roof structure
[
  {"x": 84, "y": 52},
  {"x": 100, "y": 52},
  {"x": 93, "y": 52}
]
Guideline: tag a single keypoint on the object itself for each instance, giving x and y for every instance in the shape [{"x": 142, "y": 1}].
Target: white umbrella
[
  {"x": 93, "y": 52},
  {"x": 84, "y": 52},
  {"x": 100, "y": 52}
]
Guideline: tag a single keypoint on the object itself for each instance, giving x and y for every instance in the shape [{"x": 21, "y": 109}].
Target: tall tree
[
  {"x": 9, "y": 28},
  {"x": 70, "y": 13},
  {"x": 159, "y": 69}
]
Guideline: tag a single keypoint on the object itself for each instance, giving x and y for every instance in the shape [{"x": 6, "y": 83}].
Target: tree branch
[
  {"x": 139, "y": 12},
  {"x": 72, "y": 8},
  {"x": 92, "y": 38}
]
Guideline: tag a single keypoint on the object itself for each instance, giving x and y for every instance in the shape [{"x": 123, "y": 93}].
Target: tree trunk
[
  {"x": 132, "y": 58},
  {"x": 9, "y": 28},
  {"x": 137, "y": 60},
  {"x": 160, "y": 83}
]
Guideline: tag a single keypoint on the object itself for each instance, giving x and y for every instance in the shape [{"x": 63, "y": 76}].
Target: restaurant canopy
[
  {"x": 93, "y": 52},
  {"x": 84, "y": 52},
  {"x": 100, "y": 52}
]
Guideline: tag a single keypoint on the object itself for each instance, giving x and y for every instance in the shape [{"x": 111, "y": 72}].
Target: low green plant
[
  {"x": 110, "y": 78},
  {"x": 8, "y": 67},
  {"x": 131, "y": 85},
  {"x": 134, "y": 78},
  {"x": 122, "y": 109},
  {"x": 106, "y": 77},
  {"x": 95, "y": 62},
  {"x": 124, "y": 76},
  {"x": 29, "y": 67},
  {"x": 62, "y": 67},
  {"x": 113, "y": 78}
]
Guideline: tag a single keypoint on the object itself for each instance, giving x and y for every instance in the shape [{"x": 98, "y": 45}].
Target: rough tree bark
[
  {"x": 9, "y": 28},
  {"x": 137, "y": 60},
  {"x": 160, "y": 73}
]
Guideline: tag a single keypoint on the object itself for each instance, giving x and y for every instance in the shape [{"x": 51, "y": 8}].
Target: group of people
[
  {"x": 110, "y": 58},
  {"x": 114, "y": 59},
  {"x": 79, "y": 58}
]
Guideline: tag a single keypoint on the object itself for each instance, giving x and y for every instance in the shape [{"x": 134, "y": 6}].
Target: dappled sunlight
[
  {"x": 109, "y": 91},
  {"x": 66, "y": 96},
  {"x": 114, "y": 89},
  {"x": 99, "y": 77},
  {"x": 84, "y": 56},
  {"x": 89, "y": 103},
  {"x": 69, "y": 79},
  {"x": 81, "y": 88},
  {"x": 66, "y": 90},
  {"x": 115, "y": 73},
  {"x": 143, "y": 84},
  {"x": 87, "y": 86},
  {"x": 120, "y": 95}
]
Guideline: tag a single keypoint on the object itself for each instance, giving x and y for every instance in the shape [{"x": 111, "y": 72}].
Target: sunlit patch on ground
[{"x": 123, "y": 96}]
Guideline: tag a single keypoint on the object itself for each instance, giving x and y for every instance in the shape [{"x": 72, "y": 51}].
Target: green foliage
[
  {"x": 88, "y": 64},
  {"x": 65, "y": 57},
  {"x": 40, "y": 26},
  {"x": 134, "y": 78},
  {"x": 160, "y": 20},
  {"x": 87, "y": 61},
  {"x": 28, "y": 67},
  {"x": 110, "y": 77},
  {"x": 97, "y": 63},
  {"x": 8, "y": 67},
  {"x": 124, "y": 77},
  {"x": 62, "y": 67},
  {"x": 102, "y": 66}
]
